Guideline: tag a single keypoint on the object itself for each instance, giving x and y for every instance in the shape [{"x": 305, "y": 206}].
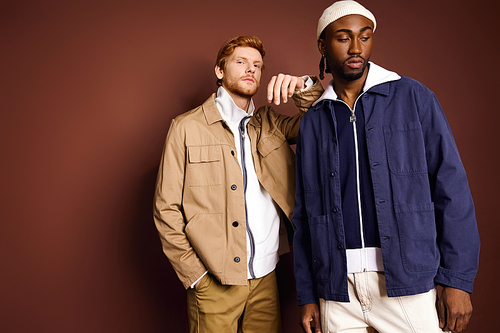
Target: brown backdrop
[{"x": 87, "y": 92}]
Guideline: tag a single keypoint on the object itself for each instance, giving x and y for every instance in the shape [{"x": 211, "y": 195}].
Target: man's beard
[
  {"x": 339, "y": 70},
  {"x": 232, "y": 86}
]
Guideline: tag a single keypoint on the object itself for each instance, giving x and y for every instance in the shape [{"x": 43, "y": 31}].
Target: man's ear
[
  {"x": 219, "y": 72},
  {"x": 321, "y": 46}
]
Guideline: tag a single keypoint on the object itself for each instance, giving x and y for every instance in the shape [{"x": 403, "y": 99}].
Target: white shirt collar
[
  {"x": 229, "y": 110},
  {"x": 376, "y": 75}
]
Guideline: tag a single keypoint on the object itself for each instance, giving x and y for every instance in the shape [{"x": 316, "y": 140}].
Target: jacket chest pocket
[
  {"x": 275, "y": 151},
  {"x": 204, "y": 166},
  {"x": 405, "y": 148}
]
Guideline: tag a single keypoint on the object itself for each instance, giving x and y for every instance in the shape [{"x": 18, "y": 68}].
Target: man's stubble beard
[
  {"x": 233, "y": 87},
  {"x": 339, "y": 70}
]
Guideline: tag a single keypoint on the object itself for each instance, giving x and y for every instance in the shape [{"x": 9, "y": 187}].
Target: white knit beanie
[{"x": 340, "y": 9}]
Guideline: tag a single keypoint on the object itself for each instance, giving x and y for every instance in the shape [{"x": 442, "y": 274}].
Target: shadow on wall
[
  {"x": 164, "y": 290},
  {"x": 288, "y": 297}
]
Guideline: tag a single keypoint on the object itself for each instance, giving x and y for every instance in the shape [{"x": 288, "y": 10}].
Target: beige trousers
[
  {"x": 371, "y": 310},
  {"x": 253, "y": 308}
]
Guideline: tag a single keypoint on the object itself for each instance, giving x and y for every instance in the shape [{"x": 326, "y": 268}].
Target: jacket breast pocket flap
[
  {"x": 204, "y": 154},
  {"x": 204, "y": 167},
  {"x": 269, "y": 144}
]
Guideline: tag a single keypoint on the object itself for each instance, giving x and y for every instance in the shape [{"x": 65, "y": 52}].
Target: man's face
[
  {"x": 241, "y": 77},
  {"x": 347, "y": 45}
]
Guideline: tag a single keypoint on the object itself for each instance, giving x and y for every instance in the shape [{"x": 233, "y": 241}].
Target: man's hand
[
  {"x": 309, "y": 318},
  {"x": 282, "y": 87},
  {"x": 454, "y": 309},
  {"x": 196, "y": 285}
]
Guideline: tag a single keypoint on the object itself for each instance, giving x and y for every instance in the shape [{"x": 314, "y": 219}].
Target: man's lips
[
  {"x": 355, "y": 63},
  {"x": 249, "y": 79}
]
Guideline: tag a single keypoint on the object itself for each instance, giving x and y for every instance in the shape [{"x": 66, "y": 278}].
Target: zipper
[
  {"x": 244, "y": 170},
  {"x": 352, "y": 119}
]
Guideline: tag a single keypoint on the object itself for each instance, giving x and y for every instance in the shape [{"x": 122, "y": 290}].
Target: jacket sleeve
[
  {"x": 457, "y": 233},
  {"x": 168, "y": 214},
  {"x": 304, "y": 99},
  {"x": 289, "y": 125},
  {"x": 306, "y": 291}
]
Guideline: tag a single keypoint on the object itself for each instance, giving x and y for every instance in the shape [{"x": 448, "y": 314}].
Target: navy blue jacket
[{"x": 425, "y": 213}]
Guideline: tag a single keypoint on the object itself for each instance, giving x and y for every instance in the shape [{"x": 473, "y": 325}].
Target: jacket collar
[
  {"x": 212, "y": 115},
  {"x": 221, "y": 104},
  {"x": 376, "y": 76}
]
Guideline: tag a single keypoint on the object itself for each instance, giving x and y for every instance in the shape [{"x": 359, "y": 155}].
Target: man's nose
[{"x": 355, "y": 47}]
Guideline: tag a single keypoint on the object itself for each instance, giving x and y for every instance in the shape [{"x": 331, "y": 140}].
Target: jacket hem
[{"x": 408, "y": 291}]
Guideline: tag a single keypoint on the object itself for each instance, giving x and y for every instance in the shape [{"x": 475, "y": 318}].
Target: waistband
[{"x": 368, "y": 259}]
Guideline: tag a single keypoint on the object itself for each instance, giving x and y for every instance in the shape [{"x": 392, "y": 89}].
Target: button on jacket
[
  {"x": 423, "y": 205},
  {"x": 199, "y": 206}
]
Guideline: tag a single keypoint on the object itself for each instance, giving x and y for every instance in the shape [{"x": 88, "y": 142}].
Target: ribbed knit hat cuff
[{"x": 340, "y": 9}]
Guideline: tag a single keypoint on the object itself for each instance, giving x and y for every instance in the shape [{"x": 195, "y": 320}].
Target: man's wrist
[
  {"x": 308, "y": 83},
  {"x": 199, "y": 279}
]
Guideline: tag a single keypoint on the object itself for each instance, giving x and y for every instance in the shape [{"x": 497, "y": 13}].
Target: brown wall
[{"x": 87, "y": 92}]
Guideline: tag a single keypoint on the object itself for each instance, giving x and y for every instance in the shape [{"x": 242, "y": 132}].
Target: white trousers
[{"x": 371, "y": 310}]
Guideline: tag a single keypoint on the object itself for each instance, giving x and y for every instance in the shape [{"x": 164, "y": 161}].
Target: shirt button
[
  {"x": 235, "y": 224},
  {"x": 237, "y": 259},
  {"x": 233, "y": 187},
  {"x": 232, "y": 152},
  {"x": 333, "y": 174},
  {"x": 335, "y": 209},
  {"x": 340, "y": 247}
]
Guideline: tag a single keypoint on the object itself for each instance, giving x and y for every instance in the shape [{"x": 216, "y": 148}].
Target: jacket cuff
[
  {"x": 192, "y": 279},
  {"x": 449, "y": 278},
  {"x": 306, "y": 298},
  {"x": 304, "y": 99}
]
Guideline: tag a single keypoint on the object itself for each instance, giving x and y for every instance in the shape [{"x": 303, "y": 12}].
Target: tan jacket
[{"x": 199, "y": 206}]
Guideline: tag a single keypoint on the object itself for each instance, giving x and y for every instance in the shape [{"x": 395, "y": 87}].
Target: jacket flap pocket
[
  {"x": 204, "y": 154},
  {"x": 270, "y": 143}
]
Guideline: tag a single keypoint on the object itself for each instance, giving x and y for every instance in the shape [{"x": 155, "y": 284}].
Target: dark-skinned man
[{"x": 383, "y": 209}]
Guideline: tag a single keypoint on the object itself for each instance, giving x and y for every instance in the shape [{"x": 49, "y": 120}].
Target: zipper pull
[{"x": 353, "y": 117}]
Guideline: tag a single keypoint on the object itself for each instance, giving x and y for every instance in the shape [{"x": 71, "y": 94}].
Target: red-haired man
[{"x": 225, "y": 189}]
